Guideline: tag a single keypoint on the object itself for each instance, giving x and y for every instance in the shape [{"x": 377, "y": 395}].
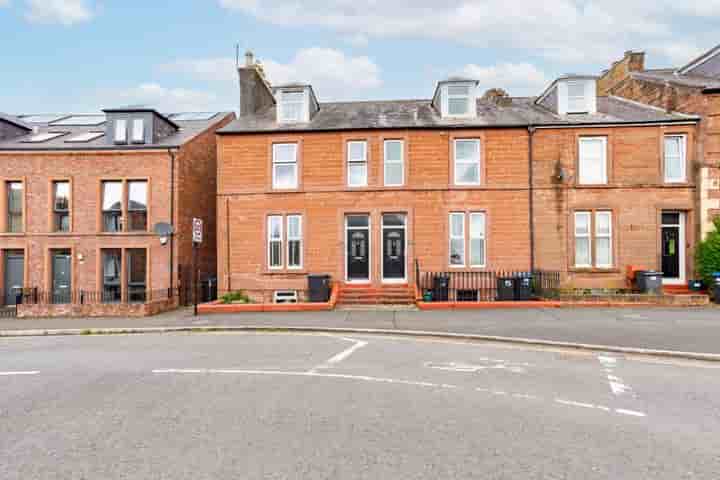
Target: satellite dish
[{"x": 163, "y": 229}]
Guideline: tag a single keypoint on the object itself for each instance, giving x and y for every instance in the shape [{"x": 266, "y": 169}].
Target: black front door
[
  {"x": 14, "y": 275},
  {"x": 393, "y": 253},
  {"x": 61, "y": 277},
  {"x": 358, "y": 248},
  {"x": 671, "y": 251}
]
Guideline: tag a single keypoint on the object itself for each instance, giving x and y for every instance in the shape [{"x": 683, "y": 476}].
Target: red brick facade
[
  {"x": 194, "y": 177},
  {"x": 635, "y": 194}
]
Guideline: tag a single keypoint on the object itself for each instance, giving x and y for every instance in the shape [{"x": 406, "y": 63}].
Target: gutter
[
  {"x": 171, "y": 154},
  {"x": 711, "y": 90},
  {"x": 531, "y": 199}
]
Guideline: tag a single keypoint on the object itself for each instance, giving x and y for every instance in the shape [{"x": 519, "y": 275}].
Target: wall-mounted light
[{"x": 81, "y": 257}]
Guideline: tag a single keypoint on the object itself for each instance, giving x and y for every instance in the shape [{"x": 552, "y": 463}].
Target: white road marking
[
  {"x": 490, "y": 364},
  {"x": 617, "y": 386},
  {"x": 367, "y": 378},
  {"x": 342, "y": 355},
  {"x": 9, "y": 374}
]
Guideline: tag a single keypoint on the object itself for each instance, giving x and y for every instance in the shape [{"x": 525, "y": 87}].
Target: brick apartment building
[
  {"x": 693, "y": 88},
  {"x": 567, "y": 181},
  {"x": 81, "y": 196}
]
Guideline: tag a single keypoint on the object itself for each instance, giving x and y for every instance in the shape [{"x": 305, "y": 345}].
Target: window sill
[
  {"x": 126, "y": 234},
  {"x": 594, "y": 270},
  {"x": 285, "y": 271}
]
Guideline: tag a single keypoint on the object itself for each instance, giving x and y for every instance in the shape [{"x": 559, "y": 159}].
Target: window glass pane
[
  {"x": 674, "y": 159},
  {"x": 284, "y": 152},
  {"x": 477, "y": 251},
  {"x": 582, "y": 251},
  {"x": 457, "y": 224},
  {"x": 467, "y": 173},
  {"x": 672, "y": 146},
  {"x": 603, "y": 256},
  {"x": 275, "y": 228},
  {"x": 61, "y": 195},
  {"x": 457, "y": 251},
  {"x": 136, "y": 275},
  {"x": 393, "y": 220},
  {"x": 457, "y": 106},
  {"x": 393, "y": 174},
  {"x": 477, "y": 225},
  {"x": 582, "y": 223},
  {"x": 137, "y": 195},
  {"x": 357, "y": 174},
  {"x": 458, "y": 90},
  {"x": 358, "y": 221},
  {"x": 15, "y": 207},
  {"x": 275, "y": 254},
  {"x": 121, "y": 130},
  {"x": 602, "y": 223},
  {"x": 291, "y": 111},
  {"x": 670, "y": 218},
  {"x": 112, "y": 267},
  {"x": 285, "y": 175},
  {"x": 466, "y": 150},
  {"x": 138, "y": 130},
  {"x": 294, "y": 229},
  {"x": 356, "y": 151},
  {"x": 112, "y": 196},
  {"x": 592, "y": 161},
  {"x": 294, "y": 255},
  {"x": 393, "y": 151}
]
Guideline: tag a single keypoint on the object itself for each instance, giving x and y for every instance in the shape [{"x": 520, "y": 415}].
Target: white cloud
[
  {"x": 333, "y": 74},
  {"x": 4, "y": 3},
  {"x": 518, "y": 79},
  {"x": 561, "y": 30},
  {"x": 65, "y": 12},
  {"x": 165, "y": 99},
  {"x": 357, "y": 40}
]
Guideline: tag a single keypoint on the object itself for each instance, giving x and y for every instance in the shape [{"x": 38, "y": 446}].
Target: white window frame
[
  {"x": 276, "y": 163},
  {"x": 285, "y": 296},
  {"x": 138, "y": 130},
  {"x": 482, "y": 236},
  {"x": 604, "y": 235},
  {"x": 470, "y": 112},
  {"x": 351, "y": 161},
  {"x": 477, "y": 161},
  {"x": 587, "y": 235},
  {"x": 682, "y": 159},
  {"x": 298, "y": 238},
  {"x": 452, "y": 237},
  {"x": 387, "y": 162},
  {"x": 121, "y": 130},
  {"x": 603, "y": 159},
  {"x": 302, "y": 112},
  {"x": 271, "y": 240}
]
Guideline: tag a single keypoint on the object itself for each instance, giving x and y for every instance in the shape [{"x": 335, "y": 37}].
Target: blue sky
[{"x": 83, "y": 55}]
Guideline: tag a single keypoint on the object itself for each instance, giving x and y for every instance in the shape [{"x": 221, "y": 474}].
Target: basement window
[{"x": 285, "y": 296}]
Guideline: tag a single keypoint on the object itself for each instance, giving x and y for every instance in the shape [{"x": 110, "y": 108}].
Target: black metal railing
[
  {"x": 486, "y": 286},
  {"x": 134, "y": 295}
]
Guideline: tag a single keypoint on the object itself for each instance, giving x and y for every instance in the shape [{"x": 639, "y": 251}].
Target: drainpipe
[
  {"x": 171, "y": 154},
  {"x": 531, "y": 200}
]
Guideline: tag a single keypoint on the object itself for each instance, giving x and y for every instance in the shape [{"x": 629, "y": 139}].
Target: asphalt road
[{"x": 281, "y": 406}]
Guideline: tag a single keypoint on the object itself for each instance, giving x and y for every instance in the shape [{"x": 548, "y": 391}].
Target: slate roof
[
  {"x": 520, "y": 112},
  {"x": 670, "y": 75},
  {"x": 188, "y": 130},
  {"x": 14, "y": 120}
]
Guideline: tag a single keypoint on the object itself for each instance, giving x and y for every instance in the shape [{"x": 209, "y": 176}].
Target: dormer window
[
  {"x": 576, "y": 102},
  {"x": 456, "y": 98},
  {"x": 121, "y": 131},
  {"x": 138, "y": 130},
  {"x": 292, "y": 106}
]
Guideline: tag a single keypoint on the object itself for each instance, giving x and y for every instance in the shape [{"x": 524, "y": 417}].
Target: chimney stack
[{"x": 255, "y": 92}]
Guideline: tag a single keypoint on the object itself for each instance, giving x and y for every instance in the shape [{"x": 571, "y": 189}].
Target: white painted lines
[
  {"x": 633, "y": 413},
  {"x": 621, "y": 411},
  {"x": 617, "y": 386},
  {"x": 11, "y": 374},
  {"x": 487, "y": 364},
  {"x": 342, "y": 355}
]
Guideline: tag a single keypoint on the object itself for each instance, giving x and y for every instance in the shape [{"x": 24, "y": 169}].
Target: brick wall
[{"x": 635, "y": 194}]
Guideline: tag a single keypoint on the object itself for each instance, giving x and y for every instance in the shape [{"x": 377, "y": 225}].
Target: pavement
[
  {"x": 685, "y": 330},
  {"x": 320, "y": 406}
]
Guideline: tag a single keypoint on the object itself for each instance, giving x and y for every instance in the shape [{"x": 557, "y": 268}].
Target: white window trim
[
  {"x": 604, "y": 160},
  {"x": 478, "y": 160},
  {"x": 580, "y": 99},
  {"x": 138, "y": 130},
  {"x": 482, "y": 237},
  {"x": 285, "y": 296},
  {"x": 401, "y": 162},
  {"x": 456, "y": 237},
  {"x": 350, "y": 162},
  {"x": 293, "y": 162},
  {"x": 271, "y": 240},
  {"x": 683, "y": 159},
  {"x": 608, "y": 235},
  {"x": 587, "y": 235},
  {"x": 298, "y": 238},
  {"x": 304, "y": 107},
  {"x": 120, "y": 131},
  {"x": 470, "y": 97}
]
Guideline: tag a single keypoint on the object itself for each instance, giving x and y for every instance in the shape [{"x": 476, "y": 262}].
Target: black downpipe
[{"x": 531, "y": 200}]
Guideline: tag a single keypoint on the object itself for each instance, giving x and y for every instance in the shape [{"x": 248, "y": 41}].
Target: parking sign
[{"x": 197, "y": 231}]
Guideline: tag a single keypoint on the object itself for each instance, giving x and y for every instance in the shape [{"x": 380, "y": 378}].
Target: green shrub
[
  {"x": 707, "y": 255},
  {"x": 238, "y": 296}
]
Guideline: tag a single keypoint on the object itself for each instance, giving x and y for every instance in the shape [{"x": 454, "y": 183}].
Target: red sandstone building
[
  {"x": 369, "y": 191},
  {"x": 81, "y": 196}
]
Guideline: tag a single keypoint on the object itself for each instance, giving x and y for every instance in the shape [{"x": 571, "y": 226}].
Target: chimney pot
[{"x": 249, "y": 59}]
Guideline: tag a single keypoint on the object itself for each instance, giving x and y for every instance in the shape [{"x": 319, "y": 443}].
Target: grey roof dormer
[{"x": 137, "y": 126}]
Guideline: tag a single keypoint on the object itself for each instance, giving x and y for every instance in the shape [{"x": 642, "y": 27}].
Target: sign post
[{"x": 197, "y": 238}]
